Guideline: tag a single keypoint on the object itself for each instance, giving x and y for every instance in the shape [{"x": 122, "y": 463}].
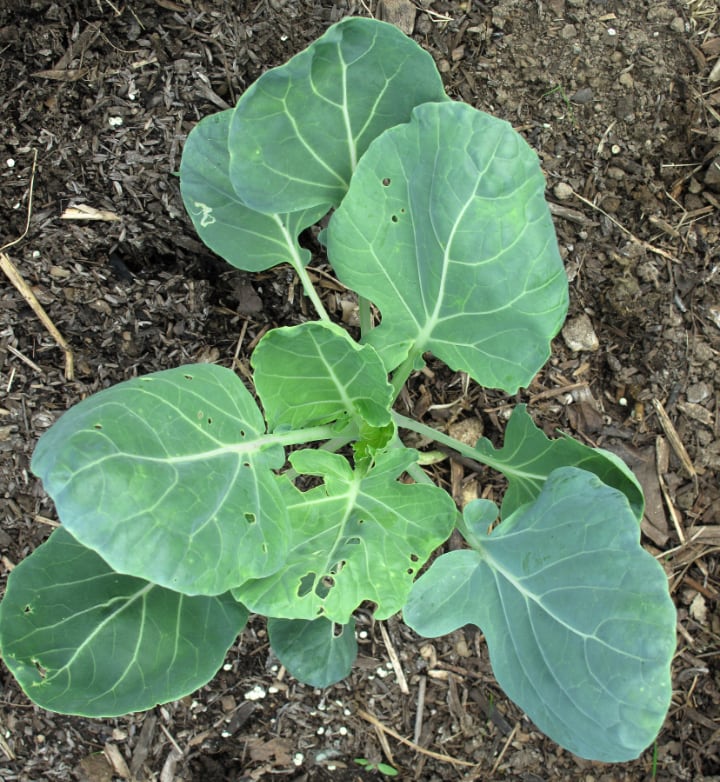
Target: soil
[{"x": 621, "y": 100}]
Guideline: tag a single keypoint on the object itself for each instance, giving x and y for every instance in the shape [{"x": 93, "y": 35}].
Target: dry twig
[{"x": 375, "y": 722}]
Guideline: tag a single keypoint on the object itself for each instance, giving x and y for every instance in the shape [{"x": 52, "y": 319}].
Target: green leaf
[
  {"x": 528, "y": 457},
  {"x": 299, "y": 130},
  {"x": 316, "y": 373},
  {"x": 446, "y": 229},
  {"x": 318, "y": 653},
  {"x": 361, "y": 535},
  {"x": 243, "y": 237},
  {"x": 169, "y": 477},
  {"x": 577, "y": 616},
  {"x": 82, "y": 639}
]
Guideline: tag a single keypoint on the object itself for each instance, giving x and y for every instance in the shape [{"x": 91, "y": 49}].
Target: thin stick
[
  {"x": 29, "y": 209},
  {"x": 437, "y": 755},
  {"x": 420, "y": 709},
  {"x": 674, "y": 439},
  {"x": 24, "y": 358},
  {"x": 646, "y": 245},
  {"x": 498, "y": 761},
  {"x": 385, "y": 746},
  {"x": 26, "y": 292},
  {"x": 395, "y": 660},
  {"x": 24, "y": 289}
]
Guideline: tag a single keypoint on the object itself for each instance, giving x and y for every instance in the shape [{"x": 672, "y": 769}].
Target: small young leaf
[
  {"x": 243, "y": 237},
  {"x": 297, "y": 133},
  {"x": 577, "y": 616},
  {"x": 168, "y": 477},
  {"x": 316, "y": 373},
  {"x": 528, "y": 457},
  {"x": 361, "y": 535},
  {"x": 445, "y": 228},
  {"x": 82, "y": 639},
  {"x": 318, "y": 652}
]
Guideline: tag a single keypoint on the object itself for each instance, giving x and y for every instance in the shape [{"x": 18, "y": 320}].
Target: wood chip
[{"x": 87, "y": 212}]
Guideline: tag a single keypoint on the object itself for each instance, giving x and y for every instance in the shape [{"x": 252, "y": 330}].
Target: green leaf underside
[
  {"x": 318, "y": 653},
  {"x": 356, "y": 537},
  {"x": 446, "y": 229},
  {"x": 170, "y": 478},
  {"x": 81, "y": 639},
  {"x": 316, "y": 373},
  {"x": 527, "y": 457},
  {"x": 577, "y": 616},
  {"x": 243, "y": 237},
  {"x": 297, "y": 133}
]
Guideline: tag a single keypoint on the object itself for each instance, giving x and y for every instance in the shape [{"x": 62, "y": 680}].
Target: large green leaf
[
  {"x": 445, "y": 227},
  {"x": 315, "y": 372},
  {"x": 169, "y": 477},
  {"x": 527, "y": 457},
  {"x": 82, "y": 639},
  {"x": 299, "y": 130},
  {"x": 318, "y": 652},
  {"x": 358, "y": 536},
  {"x": 577, "y": 616},
  {"x": 243, "y": 237}
]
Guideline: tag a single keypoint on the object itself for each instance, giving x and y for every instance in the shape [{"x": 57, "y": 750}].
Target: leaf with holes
[
  {"x": 446, "y": 229},
  {"x": 297, "y": 133},
  {"x": 358, "y": 536},
  {"x": 169, "y": 477},
  {"x": 576, "y": 614},
  {"x": 319, "y": 653},
  {"x": 82, "y": 639}
]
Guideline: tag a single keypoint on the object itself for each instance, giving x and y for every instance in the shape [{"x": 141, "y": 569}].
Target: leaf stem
[
  {"x": 310, "y": 291},
  {"x": 364, "y": 311},
  {"x": 401, "y": 374},
  {"x": 403, "y": 422}
]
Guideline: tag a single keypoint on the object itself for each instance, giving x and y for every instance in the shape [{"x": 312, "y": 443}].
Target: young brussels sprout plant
[{"x": 180, "y": 493}]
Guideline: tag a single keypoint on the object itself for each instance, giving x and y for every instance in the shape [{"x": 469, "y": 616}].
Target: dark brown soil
[{"x": 621, "y": 99}]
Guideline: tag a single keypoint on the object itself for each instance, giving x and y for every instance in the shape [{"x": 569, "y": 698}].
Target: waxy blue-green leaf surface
[
  {"x": 243, "y": 237},
  {"x": 527, "y": 457},
  {"x": 359, "y": 536},
  {"x": 82, "y": 639},
  {"x": 315, "y": 373},
  {"x": 446, "y": 229},
  {"x": 170, "y": 478},
  {"x": 297, "y": 133},
  {"x": 577, "y": 616},
  {"x": 318, "y": 652}
]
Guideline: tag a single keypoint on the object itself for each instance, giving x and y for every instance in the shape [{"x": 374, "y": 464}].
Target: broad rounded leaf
[
  {"x": 446, "y": 229},
  {"x": 315, "y": 373},
  {"x": 577, "y": 616},
  {"x": 318, "y": 652},
  {"x": 169, "y": 477},
  {"x": 358, "y": 536},
  {"x": 82, "y": 639},
  {"x": 527, "y": 457},
  {"x": 299, "y": 130},
  {"x": 243, "y": 237}
]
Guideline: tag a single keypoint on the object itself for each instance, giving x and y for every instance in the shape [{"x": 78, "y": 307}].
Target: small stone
[
  {"x": 401, "y": 13},
  {"x": 712, "y": 175},
  {"x": 582, "y": 96},
  {"x": 579, "y": 334},
  {"x": 678, "y": 25},
  {"x": 626, "y": 80},
  {"x": 569, "y": 31},
  {"x": 615, "y": 173},
  {"x": 562, "y": 191},
  {"x": 698, "y": 392}
]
